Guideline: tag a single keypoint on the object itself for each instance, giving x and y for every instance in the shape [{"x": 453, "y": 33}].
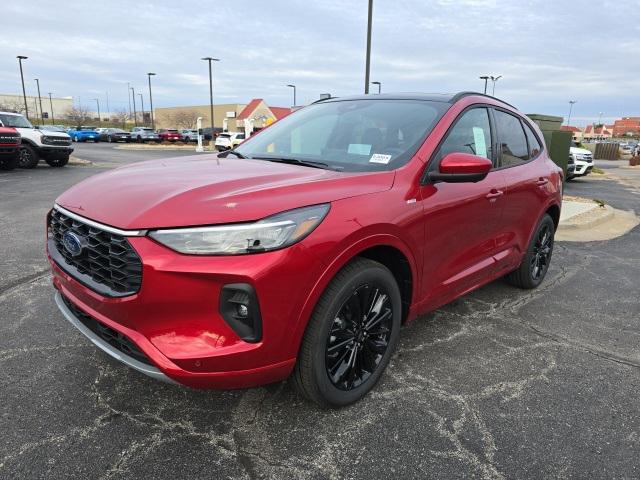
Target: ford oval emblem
[{"x": 72, "y": 243}]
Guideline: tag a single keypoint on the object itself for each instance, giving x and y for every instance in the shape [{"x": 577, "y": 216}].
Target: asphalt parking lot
[{"x": 502, "y": 383}]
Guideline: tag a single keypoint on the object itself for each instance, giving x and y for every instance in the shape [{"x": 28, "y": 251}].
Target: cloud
[{"x": 547, "y": 51}]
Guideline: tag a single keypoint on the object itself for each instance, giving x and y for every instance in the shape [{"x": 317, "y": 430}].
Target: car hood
[
  {"x": 580, "y": 151},
  {"x": 206, "y": 190}
]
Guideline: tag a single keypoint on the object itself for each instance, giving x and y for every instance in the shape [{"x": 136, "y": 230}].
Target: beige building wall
[
  {"x": 185, "y": 117},
  {"x": 61, "y": 105}
]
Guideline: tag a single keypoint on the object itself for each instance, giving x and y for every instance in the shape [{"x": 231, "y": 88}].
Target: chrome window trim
[{"x": 101, "y": 226}]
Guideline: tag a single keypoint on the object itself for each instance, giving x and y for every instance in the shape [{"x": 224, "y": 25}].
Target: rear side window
[
  {"x": 471, "y": 134},
  {"x": 512, "y": 143},
  {"x": 534, "y": 145}
]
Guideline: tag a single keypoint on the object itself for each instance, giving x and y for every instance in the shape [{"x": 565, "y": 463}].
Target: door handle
[
  {"x": 494, "y": 193},
  {"x": 542, "y": 181}
]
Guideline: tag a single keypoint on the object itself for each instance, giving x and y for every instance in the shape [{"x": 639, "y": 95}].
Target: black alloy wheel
[
  {"x": 359, "y": 337},
  {"x": 537, "y": 258},
  {"x": 351, "y": 335},
  {"x": 28, "y": 157},
  {"x": 541, "y": 252}
]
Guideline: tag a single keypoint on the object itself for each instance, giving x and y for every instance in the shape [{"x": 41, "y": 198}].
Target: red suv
[
  {"x": 170, "y": 135},
  {"x": 305, "y": 249}
]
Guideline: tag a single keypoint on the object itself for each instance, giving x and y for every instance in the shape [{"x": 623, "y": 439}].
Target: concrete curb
[
  {"x": 589, "y": 219},
  {"x": 611, "y": 224},
  {"x": 158, "y": 147},
  {"x": 73, "y": 160}
]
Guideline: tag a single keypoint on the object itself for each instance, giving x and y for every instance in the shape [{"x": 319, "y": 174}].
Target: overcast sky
[{"x": 548, "y": 51}]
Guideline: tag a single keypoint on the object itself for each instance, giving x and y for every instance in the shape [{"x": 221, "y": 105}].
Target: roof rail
[{"x": 460, "y": 95}]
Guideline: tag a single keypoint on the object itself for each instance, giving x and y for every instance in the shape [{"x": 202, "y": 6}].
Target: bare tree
[
  {"x": 79, "y": 115},
  {"x": 119, "y": 117},
  {"x": 12, "y": 105},
  {"x": 182, "y": 119}
]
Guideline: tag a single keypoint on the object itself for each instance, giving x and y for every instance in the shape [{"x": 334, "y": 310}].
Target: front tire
[
  {"x": 536, "y": 261},
  {"x": 351, "y": 335},
  {"x": 28, "y": 157}
]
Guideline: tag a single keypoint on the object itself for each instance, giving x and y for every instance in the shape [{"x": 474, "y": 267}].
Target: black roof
[{"x": 431, "y": 97}]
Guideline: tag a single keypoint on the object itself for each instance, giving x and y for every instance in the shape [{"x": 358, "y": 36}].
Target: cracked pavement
[{"x": 502, "y": 383}]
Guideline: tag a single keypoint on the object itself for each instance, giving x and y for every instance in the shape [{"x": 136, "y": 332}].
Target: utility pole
[
  {"x": 135, "y": 114},
  {"x": 40, "y": 101},
  {"x": 368, "y": 60},
  {"x": 210, "y": 59},
  {"x": 153, "y": 123},
  {"x": 24, "y": 92},
  {"x": 51, "y": 105}
]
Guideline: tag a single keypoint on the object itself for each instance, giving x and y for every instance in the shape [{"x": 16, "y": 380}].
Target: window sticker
[
  {"x": 359, "y": 149},
  {"x": 481, "y": 146},
  {"x": 380, "y": 158}
]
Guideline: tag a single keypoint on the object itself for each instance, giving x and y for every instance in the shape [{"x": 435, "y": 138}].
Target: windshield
[
  {"x": 14, "y": 121},
  {"x": 350, "y": 135}
]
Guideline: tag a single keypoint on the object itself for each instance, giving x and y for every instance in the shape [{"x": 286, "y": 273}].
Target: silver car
[{"x": 144, "y": 134}]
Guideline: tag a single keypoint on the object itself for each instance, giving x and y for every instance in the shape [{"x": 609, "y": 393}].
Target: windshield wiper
[
  {"x": 232, "y": 152},
  {"x": 296, "y": 161}
]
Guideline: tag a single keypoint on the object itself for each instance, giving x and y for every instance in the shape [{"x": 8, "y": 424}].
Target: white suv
[
  {"x": 583, "y": 160},
  {"x": 229, "y": 140},
  {"x": 52, "y": 147}
]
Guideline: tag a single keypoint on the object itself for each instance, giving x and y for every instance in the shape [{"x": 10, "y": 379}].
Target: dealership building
[{"x": 232, "y": 117}]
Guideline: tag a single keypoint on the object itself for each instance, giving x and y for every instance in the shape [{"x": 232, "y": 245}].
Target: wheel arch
[
  {"x": 554, "y": 212},
  {"x": 384, "y": 248}
]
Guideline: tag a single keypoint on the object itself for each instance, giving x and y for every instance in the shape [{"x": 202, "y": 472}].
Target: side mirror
[{"x": 461, "y": 167}]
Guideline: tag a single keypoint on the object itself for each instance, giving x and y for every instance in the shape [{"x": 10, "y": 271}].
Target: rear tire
[
  {"x": 58, "y": 161},
  {"x": 348, "y": 344},
  {"x": 9, "y": 162},
  {"x": 536, "y": 261},
  {"x": 28, "y": 157}
]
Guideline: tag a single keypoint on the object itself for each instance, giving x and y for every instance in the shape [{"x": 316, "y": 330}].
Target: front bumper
[
  {"x": 53, "y": 152},
  {"x": 583, "y": 167},
  {"x": 175, "y": 319}
]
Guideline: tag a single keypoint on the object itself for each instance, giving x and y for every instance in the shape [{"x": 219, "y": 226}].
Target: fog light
[{"x": 239, "y": 308}]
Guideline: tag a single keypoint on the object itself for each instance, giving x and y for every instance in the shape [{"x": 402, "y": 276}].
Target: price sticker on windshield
[{"x": 380, "y": 158}]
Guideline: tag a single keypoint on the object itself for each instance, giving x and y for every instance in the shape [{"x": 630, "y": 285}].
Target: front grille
[
  {"x": 107, "y": 262},
  {"x": 10, "y": 138},
  {"x": 58, "y": 141},
  {"x": 108, "y": 334}
]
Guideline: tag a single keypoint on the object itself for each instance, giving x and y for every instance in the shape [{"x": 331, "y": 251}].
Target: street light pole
[
  {"x": 108, "y": 108},
  {"x": 368, "y": 60},
  {"x": 210, "y": 59},
  {"x": 294, "y": 93},
  {"x": 98, "y": 104},
  {"x": 24, "y": 92},
  {"x": 53, "y": 120},
  {"x": 486, "y": 79},
  {"x": 142, "y": 104},
  {"x": 153, "y": 123},
  {"x": 135, "y": 114},
  {"x": 571, "y": 102},
  {"x": 494, "y": 80},
  {"x": 379, "y": 86},
  {"x": 40, "y": 101},
  {"x": 129, "y": 97}
]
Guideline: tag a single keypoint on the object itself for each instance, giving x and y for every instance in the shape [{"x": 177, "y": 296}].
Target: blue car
[{"x": 83, "y": 134}]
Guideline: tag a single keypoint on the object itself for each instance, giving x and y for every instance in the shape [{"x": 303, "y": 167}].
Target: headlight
[{"x": 271, "y": 233}]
